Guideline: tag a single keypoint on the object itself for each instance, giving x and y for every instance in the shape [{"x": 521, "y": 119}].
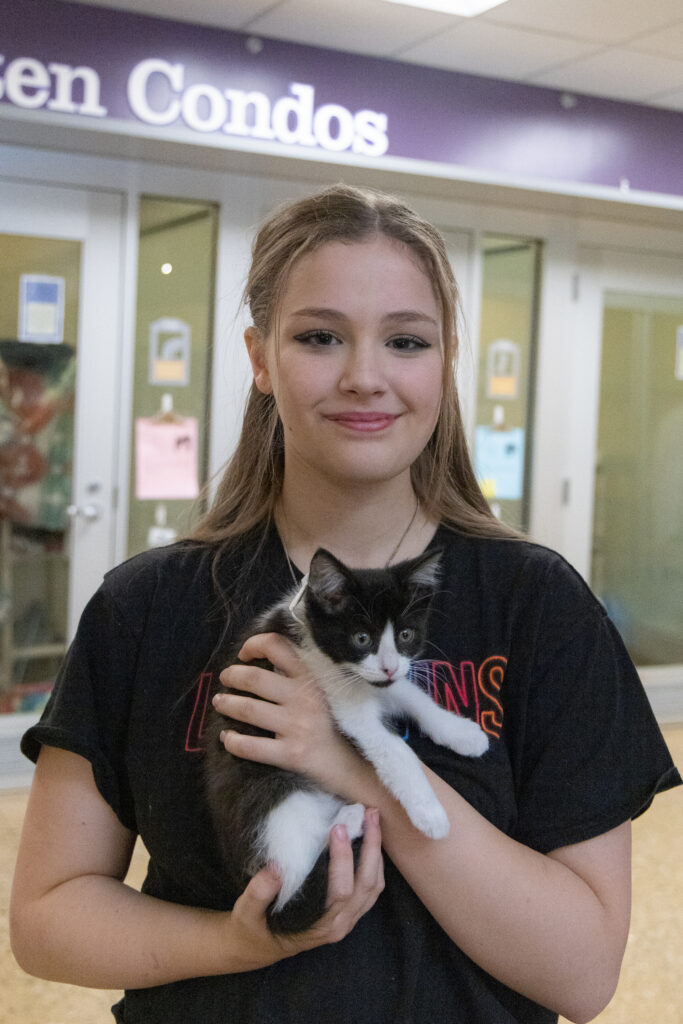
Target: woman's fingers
[
  {"x": 349, "y": 894},
  {"x": 370, "y": 870},
  {"x": 246, "y": 709},
  {"x": 340, "y": 880},
  {"x": 252, "y": 679},
  {"x": 272, "y": 646},
  {"x": 260, "y": 892},
  {"x": 253, "y": 748}
]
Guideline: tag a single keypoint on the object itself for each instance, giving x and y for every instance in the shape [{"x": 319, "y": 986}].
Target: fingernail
[{"x": 340, "y": 832}]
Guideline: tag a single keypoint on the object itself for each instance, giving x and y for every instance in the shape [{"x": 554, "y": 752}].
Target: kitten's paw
[
  {"x": 473, "y": 740},
  {"x": 431, "y": 819},
  {"x": 351, "y": 815},
  {"x": 462, "y": 735}
]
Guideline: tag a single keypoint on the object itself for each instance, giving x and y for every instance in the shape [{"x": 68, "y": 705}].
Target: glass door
[
  {"x": 60, "y": 265},
  {"x": 628, "y": 451},
  {"x": 510, "y": 293},
  {"x": 637, "y": 553}
]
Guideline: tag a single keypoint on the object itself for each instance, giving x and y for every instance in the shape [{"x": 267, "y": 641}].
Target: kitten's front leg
[
  {"x": 397, "y": 766},
  {"x": 443, "y": 727}
]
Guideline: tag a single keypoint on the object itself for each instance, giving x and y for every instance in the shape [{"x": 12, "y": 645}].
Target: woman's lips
[{"x": 367, "y": 422}]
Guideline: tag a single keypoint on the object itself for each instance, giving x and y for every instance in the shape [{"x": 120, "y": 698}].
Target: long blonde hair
[{"x": 442, "y": 476}]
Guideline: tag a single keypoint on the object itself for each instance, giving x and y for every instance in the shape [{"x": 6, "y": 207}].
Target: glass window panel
[
  {"x": 505, "y": 386},
  {"x": 39, "y": 299},
  {"x": 176, "y": 268},
  {"x": 637, "y": 564}
]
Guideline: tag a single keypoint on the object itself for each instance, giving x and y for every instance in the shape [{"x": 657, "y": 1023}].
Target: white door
[
  {"x": 460, "y": 246},
  {"x": 60, "y": 302},
  {"x": 627, "y": 450}
]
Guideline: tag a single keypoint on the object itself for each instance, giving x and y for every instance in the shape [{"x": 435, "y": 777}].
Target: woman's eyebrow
[
  {"x": 406, "y": 316},
  {"x": 319, "y": 313},
  {"x": 400, "y": 316}
]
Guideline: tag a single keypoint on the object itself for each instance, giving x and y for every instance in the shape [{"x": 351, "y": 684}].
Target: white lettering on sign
[
  {"x": 158, "y": 96},
  {"x": 292, "y": 120},
  {"x": 30, "y": 84}
]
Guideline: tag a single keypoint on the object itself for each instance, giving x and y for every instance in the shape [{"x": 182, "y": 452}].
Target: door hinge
[{"x": 566, "y": 491}]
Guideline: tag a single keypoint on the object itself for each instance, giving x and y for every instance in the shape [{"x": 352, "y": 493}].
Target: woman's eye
[
  {"x": 406, "y": 635},
  {"x": 317, "y": 338},
  {"x": 361, "y": 640},
  {"x": 407, "y": 343}
]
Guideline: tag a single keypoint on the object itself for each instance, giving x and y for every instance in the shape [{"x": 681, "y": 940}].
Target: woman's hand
[
  {"x": 69, "y": 892},
  {"x": 294, "y": 709},
  {"x": 349, "y": 896}
]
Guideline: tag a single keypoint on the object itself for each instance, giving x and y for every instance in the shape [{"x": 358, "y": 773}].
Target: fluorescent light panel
[{"x": 463, "y": 8}]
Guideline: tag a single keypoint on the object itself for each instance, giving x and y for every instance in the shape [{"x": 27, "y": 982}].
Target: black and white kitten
[{"x": 357, "y": 631}]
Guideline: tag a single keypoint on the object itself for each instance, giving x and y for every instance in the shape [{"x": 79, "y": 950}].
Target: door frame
[
  {"x": 96, "y": 219},
  {"x": 602, "y": 269}
]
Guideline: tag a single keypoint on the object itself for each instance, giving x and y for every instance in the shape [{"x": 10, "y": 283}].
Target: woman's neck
[{"x": 365, "y": 527}]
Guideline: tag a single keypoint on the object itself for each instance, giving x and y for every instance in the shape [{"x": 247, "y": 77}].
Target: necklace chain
[
  {"x": 405, "y": 533},
  {"x": 389, "y": 559}
]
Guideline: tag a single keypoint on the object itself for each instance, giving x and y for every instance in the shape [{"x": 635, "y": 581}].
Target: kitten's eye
[
  {"x": 361, "y": 640},
  {"x": 406, "y": 635}
]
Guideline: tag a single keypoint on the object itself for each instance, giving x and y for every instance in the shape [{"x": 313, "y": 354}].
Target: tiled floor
[{"x": 649, "y": 990}]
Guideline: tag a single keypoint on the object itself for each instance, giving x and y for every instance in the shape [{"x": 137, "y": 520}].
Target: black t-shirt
[{"x": 517, "y": 641}]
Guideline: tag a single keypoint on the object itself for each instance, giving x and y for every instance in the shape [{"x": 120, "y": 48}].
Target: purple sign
[{"x": 144, "y": 75}]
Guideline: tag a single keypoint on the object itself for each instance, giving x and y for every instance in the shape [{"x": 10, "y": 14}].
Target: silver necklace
[
  {"x": 389, "y": 560},
  {"x": 301, "y": 587}
]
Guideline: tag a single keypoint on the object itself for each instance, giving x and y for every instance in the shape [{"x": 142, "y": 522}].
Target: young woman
[{"x": 353, "y": 441}]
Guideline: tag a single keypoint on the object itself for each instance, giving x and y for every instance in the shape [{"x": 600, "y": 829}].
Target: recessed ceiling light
[{"x": 464, "y": 8}]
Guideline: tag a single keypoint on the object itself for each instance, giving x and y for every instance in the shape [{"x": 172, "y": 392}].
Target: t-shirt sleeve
[
  {"x": 593, "y": 754},
  {"x": 88, "y": 709}
]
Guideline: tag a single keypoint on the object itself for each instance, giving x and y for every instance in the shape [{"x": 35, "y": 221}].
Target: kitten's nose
[{"x": 390, "y": 670}]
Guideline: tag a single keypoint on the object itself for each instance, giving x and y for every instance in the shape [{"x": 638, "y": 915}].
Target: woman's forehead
[{"x": 380, "y": 271}]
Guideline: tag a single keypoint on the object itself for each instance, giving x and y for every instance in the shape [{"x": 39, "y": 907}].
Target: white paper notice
[{"x": 166, "y": 459}]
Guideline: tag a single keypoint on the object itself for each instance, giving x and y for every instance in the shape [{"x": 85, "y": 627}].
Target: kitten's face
[{"x": 372, "y": 620}]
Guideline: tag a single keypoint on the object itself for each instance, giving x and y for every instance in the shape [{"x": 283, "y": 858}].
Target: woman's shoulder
[
  {"x": 174, "y": 564},
  {"x": 188, "y": 574},
  {"x": 518, "y": 566}
]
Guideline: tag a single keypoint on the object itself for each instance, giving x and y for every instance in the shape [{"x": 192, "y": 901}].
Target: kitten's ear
[
  {"x": 327, "y": 580},
  {"x": 425, "y": 570}
]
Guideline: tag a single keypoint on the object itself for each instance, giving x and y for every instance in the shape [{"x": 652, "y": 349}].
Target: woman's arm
[
  {"x": 551, "y": 927},
  {"x": 74, "y": 920}
]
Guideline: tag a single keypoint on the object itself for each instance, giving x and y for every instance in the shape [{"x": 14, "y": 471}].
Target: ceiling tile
[
  {"x": 362, "y": 26},
  {"x": 470, "y": 45},
  {"x": 618, "y": 73},
  {"x": 668, "y": 43},
  {"x": 608, "y": 21}
]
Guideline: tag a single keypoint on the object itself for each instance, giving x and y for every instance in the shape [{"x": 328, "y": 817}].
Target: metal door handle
[{"x": 90, "y": 511}]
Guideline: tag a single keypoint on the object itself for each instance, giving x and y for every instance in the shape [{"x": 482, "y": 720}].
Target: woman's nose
[{"x": 363, "y": 371}]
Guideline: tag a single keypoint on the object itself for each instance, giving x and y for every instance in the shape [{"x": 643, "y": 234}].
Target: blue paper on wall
[{"x": 499, "y": 462}]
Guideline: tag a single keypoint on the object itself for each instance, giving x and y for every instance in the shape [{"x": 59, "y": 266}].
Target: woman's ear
[{"x": 256, "y": 347}]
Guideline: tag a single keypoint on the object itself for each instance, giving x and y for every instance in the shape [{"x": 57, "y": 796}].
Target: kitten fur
[{"x": 357, "y": 630}]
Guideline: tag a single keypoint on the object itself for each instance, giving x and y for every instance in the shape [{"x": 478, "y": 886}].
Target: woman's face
[{"x": 356, "y": 369}]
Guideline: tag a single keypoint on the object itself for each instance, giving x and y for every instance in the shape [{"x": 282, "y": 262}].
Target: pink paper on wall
[{"x": 166, "y": 459}]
